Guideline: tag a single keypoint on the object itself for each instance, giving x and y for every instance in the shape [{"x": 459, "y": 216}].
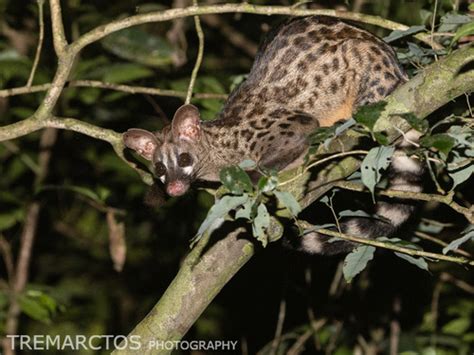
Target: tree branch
[
  {"x": 59, "y": 37},
  {"x": 445, "y": 199},
  {"x": 160, "y": 16},
  {"x": 389, "y": 246},
  {"x": 110, "y": 86}
]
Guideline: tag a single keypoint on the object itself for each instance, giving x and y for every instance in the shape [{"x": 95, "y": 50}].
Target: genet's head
[{"x": 173, "y": 152}]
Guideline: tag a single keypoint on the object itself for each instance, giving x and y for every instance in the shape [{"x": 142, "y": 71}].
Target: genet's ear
[
  {"x": 141, "y": 141},
  {"x": 187, "y": 123}
]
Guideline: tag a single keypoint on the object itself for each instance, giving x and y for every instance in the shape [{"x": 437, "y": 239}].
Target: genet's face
[{"x": 175, "y": 166}]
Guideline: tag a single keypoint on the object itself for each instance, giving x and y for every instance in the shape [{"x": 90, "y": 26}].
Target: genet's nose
[{"x": 176, "y": 188}]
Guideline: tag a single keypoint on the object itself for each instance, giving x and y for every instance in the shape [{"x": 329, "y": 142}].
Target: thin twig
[
  {"x": 170, "y": 14},
  {"x": 197, "y": 65},
  {"x": 40, "y": 42},
  {"x": 279, "y": 327},
  {"x": 433, "y": 22},
  {"x": 28, "y": 235},
  {"x": 463, "y": 285},
  {"x": 389, "y": 246},
  {"x": 6, "y": 252},
  {"x": 110, "y": 86},
  {"x": 445, "y": 199},
  {"x": 322, "y": 161},
  {"x": 298, "y": 346},
  {"x": 440, "y": 242},
  {"x": 395, "y": 327}
]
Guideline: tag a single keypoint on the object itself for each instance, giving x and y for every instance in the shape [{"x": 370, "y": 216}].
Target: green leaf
[
  {"x": 397, "y": 34},
  {"x": 7, "y": 220},
  {"x": 135, "y": 44},
  {"x": 457, "y": 326},
  {"x": 121, "y": 73},
  {"x": 356, "y": 261},
  {"x": 85, "y": 191},
  {"x": 220, "y": 210},
  {"x": 464, "y": 30},
  {"x": 247, "y": 164},
  {"x": 467, "y": 234},
  {"x": 247, "y": 210},
  {"x": 267, "y": 183},
  {"x": 461, "y": 175},
  {"x": 289, "y": 201},
  {"x": 236, "y": 180},
  {"x": 420, "y": 262},
  {"x": 322, "y": 134},
  {"x": 34, "y": 308},
  {"x": 452, "y": 20},
  {"x": 260, "y": 224},
  {"x": 441, "y": 141},
  {"x": 419, "y": 124},
  {"x": 376, "y": 160},
  {"x": 369, "y": 114},
  {"x": 381, "y": 138},
  {"x": 463, "y": 135}
]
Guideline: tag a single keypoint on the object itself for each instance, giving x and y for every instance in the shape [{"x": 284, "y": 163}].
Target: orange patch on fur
[{"x": 341, "y": 113}]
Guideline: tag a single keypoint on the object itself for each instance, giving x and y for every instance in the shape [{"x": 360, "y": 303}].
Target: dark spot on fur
[
  {"x": 314, "y": 36},
  {"x": 302, "y": 65},
  {"x": 374, "y": 83},
  {"x": 252, "y": 146},
  {"x": 322, "y": 49},
  {"x": 377, "y": 67},
  {"x": 317, "y": 79},
  {"x": 375, "y": 50},
  {"x": 381, "y": 90},
  {"x": 289, "y": 56},
  {"x": 335, "y": 64},
  {"x": 311, "y": 57},
  {"x": 325, "y": 68},
  {"x": 302, "y": 118},
  {"x": 294, "y": 28},
  {"x": 334, "y": 87},
  {"x": 262, "y": 134},
  {"x": 284, "y": 125},
  {"x": 388, "y": 76},
  {"x": 278, "y": 74},
  {"x": 301, "y": 43},
  {"x": 246, "y": 134},
  {"x": 356, "y": 54}
]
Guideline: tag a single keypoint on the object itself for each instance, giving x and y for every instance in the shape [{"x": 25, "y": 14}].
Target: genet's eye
[
  {"x": 185, "y": 160},
  {"x": 160, "y": 169}
]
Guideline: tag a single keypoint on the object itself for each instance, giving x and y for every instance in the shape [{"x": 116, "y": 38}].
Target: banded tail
[{"x": 404, "y": 174}]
